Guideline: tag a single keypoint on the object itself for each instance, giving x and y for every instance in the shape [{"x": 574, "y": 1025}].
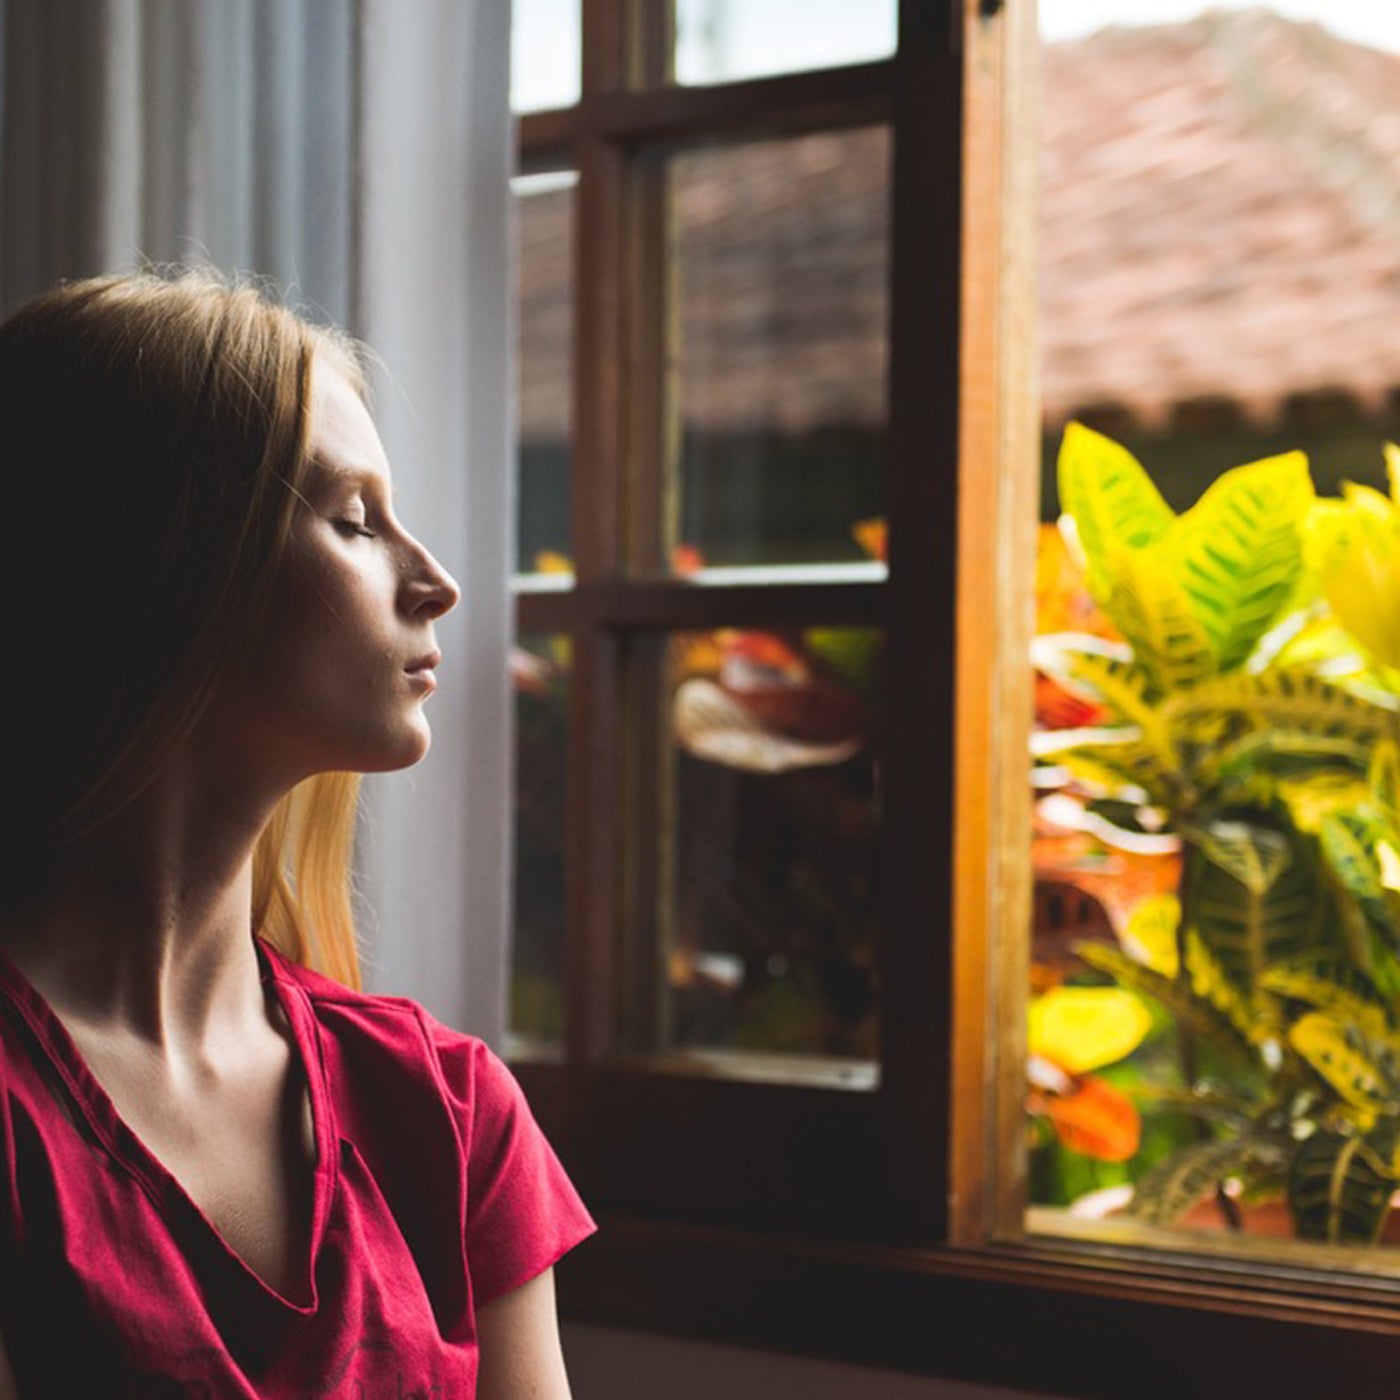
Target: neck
[{"x": 146, "y": 924}]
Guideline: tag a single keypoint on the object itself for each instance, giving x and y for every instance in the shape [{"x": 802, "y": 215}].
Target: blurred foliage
[{"x": 1233, "y": 714}]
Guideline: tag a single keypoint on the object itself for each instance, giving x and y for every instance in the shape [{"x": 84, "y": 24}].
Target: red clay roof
[
  {"x": 1220, "y": 222},
  {"x": 1221, "y": 216}
]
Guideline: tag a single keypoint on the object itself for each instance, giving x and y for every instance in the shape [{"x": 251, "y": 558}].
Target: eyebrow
[{"x": 352, "y": 476}]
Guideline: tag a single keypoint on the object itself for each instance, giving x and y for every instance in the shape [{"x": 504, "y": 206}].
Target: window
[
  {"x": 705, "y": 465},
  {"x": 1187, "y": 235},
  {"x": 779, "y": 486}
]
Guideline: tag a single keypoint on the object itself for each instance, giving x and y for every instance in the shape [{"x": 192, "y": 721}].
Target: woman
[{"x": 222, "y": 1173}]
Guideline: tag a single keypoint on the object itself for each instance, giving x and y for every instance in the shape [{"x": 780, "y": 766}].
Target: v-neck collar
[{"x": 92, "y": 1102}]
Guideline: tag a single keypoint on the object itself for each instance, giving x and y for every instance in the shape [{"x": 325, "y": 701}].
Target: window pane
[
  {"x": 545, "y": 210},
  {"x": 540, "y": 679},
  {"x": 754, "y": 834},
  {"x": 722, "y": 41},
  {"x": 1214, "y": 952},
  {"x": 780, "y": 348},
  {"x": 545, "y": 54}
]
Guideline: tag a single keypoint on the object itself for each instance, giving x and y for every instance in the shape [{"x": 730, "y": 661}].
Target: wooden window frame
[{"x": 872, "y": 1227}]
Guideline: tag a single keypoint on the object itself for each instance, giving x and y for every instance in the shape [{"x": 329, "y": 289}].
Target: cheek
[
  {"x": 337, "y": 603},
  {"x": 329, "y": 641}
]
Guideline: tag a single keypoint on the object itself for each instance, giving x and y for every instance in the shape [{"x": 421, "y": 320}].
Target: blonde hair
[{"x": 153, "y": 434}]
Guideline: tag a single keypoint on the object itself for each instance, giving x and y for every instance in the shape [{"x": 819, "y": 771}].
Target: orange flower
[
  {"x": 1094, "y": 1119},
  {"x": 873, "y": 537},
  {"x": 686, "y": 560}
]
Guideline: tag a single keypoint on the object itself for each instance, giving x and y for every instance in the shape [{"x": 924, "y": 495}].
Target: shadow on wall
[{"x": 608, "y": 1363}]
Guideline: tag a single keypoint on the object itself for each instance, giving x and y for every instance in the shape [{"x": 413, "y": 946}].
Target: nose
[{"x": 429, "y": 590}]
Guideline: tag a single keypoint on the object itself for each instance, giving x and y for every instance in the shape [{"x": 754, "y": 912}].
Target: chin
[
  {"x": 385, "y": 751},
  {"x": 404, "y": 751}
]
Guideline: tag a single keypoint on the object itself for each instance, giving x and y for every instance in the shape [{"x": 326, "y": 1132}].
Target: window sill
[{"x": 1069, "y": 1319}]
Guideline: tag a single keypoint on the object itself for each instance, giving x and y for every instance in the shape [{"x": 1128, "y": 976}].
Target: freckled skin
[{"x": 327, "y": 687}]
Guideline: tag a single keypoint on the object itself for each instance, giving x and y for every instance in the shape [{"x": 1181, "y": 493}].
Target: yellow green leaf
[
  {"x": 1114, "y": 505},
  {"x": 1241, "y": 551},
  {"x": 1150, "y": 932},
  {"x": 1355, "y": 545},
  {"x": 1390, "y": 865},
  {"x": 1310, "y": 800},
  {"x": 1384, "y": 779},
  {"x": 1150, "y": 606},
  {"x": 1085, "y": 1028},
  {"x": 1360, "y": 1069},
  {"x": 1254, "y": 1015},
  {"x": 1327, "y": 983}
]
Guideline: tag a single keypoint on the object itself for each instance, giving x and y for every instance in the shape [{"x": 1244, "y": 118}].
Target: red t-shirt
[{"x": 435, "y": 1192}]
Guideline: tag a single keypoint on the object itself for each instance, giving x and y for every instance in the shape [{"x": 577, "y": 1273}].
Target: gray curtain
[{"x": 356, "y": 153}]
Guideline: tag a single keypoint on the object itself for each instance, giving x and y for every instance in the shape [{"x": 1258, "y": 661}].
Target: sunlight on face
[{"x": 346, "y": 663}]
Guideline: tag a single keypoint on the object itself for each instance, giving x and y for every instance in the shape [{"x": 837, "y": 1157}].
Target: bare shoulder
[{"x": 518, "y": 1333}]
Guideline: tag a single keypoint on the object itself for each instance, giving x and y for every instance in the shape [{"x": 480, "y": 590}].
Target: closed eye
[{"x": 354, "y": 527}]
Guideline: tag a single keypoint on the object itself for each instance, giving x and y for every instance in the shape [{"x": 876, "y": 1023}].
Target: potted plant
[{"x": 1249, "y": 711}]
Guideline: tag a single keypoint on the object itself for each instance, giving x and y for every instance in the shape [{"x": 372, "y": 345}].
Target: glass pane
[
  {"x": 753, "y": 863},
  {"x": 781, "y": 358},
  {"x": 545, "y": 54},
  {"x": 545, "y": 211},
  {"x": 540, "y": 679},
  {"x": 723, "y": 41},
  {"x": 1216, "y": 940}
]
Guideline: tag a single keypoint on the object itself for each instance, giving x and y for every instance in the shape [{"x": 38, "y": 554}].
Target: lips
[{"x": 430, "y": 662}]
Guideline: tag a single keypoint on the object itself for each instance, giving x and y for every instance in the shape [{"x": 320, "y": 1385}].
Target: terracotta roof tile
[
  {"x": 1220, "y": 221},
  {"x": 1238, "y": 231}
]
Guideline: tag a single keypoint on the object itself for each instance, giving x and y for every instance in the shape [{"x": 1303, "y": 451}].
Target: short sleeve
[{"x": 523, "y": 1213}]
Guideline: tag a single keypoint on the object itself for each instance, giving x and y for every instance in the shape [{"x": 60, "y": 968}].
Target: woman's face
[{"x": 338, "y": 679}]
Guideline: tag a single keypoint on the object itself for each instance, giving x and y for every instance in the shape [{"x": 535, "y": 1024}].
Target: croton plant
[{"x": 1226, "y": 716}]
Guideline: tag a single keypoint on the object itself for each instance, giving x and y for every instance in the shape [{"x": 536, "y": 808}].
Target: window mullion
[
  {"x": 918, "y": 774},
  {"x": 595, "y": 720}
]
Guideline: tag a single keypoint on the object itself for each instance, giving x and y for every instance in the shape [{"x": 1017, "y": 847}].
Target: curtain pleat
[{"x": 355, "y": 153}]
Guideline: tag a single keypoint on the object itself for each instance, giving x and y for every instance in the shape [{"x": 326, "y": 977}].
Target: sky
[
  {"x": 753, "y": 37},
  {"x": 1373, "y": 22}
]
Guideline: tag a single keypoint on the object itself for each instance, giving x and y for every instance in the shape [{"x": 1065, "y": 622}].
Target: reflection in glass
[
  {"x": 545, "y": 54},
  {"x": 783, "y": 253},
  {"x": 545, "y": 214},
  {"x": 767, "y": 911},
  {"x": 1216, "y": 938},
  {"x": 539, "y": 669},
  {"x": 723, "y": 41}
]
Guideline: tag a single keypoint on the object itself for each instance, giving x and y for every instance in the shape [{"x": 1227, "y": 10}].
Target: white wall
[{"x": 607, "y": 1363}]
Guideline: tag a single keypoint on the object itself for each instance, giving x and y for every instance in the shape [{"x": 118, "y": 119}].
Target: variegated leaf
[
  {"x": 1384, "y": 779},
  {"x": 1115, "y": 506},
  {"x": 1350, "y": 843},
  {"x": 1255, "y": 855},
  {"x": 1281, "y": 701},
  {"x": 1363, "y": 1071},
  {"x": 1126, "y": 688},
  {"x": 1281, "y": 756},
  {"x": 1337, "y": 1191},
  {"x": 1328, "y": 984},
  {"x": 1172, "y": 1187},
  {"x": 1311, "y": 799},
  {"x": 1151, "y": 932},
  {"x": 1241, "y": 550},
  {"x": 1107, "y": 758},
  {"x": 1188, "y": 1010},
  {"x": 1247, "y": 929},
  {"x": 1149, "y": 605},
  {"x": 1252, "y": 1012}
]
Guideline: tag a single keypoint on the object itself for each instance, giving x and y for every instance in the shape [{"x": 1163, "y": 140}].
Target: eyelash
[{"x": 353, "y": 527}]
